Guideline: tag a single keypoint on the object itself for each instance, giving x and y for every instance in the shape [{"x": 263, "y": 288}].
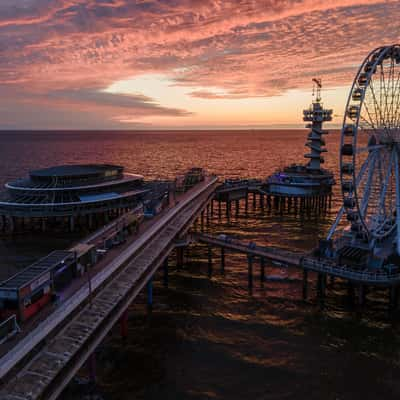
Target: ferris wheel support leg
[
  {"x": 336, "y": 223},
  {"x": 397, "y": 175}
]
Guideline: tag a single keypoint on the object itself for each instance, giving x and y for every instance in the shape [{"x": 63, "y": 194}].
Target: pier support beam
[
  {"x": 262, "y": 269},
  {"x": 246, "y": 204},
  {"x": 250, "y": 271},
  {"x": 394, "y": 298},
  {"x": 124, "y": 324},
  {"x": 237, "y": 207},
  {"x": 305, "y": 284},
  {"x": 90, "y": 221},
  {"x": 149, "y": 286},
  {"x": 71, "y": 224},
  {"x": 92, "y": 368},
  {"x": 228, "y": 209},
  {"x": 321, "y": 284},
  {"x": 350, "y": 293},
  {"x": 222, "y": 260},
  {"x": 12, "y": 224},
  {"x": 43, "y": 224},
  {"x": 179, "y": 258},
  {"x": 202, "y": 221},
  {"x": 210, "y": 266},
  {"x": 165, "y": 273},
  {"x": 361, "y": 295}
]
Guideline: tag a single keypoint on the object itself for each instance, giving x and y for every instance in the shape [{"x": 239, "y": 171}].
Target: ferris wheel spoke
[
  {"x": 382, "y": 197},
  {"x": 386, "y": 83},
  {"x": 377, "y": 105},
  {"x": 370, "y": 122},
  {"x": 369, "y": 148},
  {"x": 370, "y": 96},
  {"x": 393, "y": 95},
  {"x": 383, "y": 93},
  {"x": 396, "y": 113},
  {"x": 367, "y": 187}
]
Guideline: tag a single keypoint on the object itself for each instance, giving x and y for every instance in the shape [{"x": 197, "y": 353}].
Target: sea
[{"x": 213, "y": 338}]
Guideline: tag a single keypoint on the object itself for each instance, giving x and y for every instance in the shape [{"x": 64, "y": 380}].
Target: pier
[{"x": 42, "y": 363}]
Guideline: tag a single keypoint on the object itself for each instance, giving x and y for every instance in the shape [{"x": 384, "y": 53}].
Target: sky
[{"x": 181, "y": 64}]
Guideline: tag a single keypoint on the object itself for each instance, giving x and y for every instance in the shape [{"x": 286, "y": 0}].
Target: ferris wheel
[{"x": 370, "y": 147}]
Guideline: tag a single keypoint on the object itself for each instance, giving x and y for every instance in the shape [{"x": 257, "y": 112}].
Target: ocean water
[{"x": 212, "y": 338}]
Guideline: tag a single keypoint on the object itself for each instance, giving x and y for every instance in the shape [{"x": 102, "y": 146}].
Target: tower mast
[{"x": 316, "y": 114}]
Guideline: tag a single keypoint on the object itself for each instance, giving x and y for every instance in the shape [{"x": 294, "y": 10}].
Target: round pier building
[{"x": 69, "y": 196}]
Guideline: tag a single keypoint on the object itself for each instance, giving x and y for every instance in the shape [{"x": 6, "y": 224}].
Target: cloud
[
  {"x": 136, "y": 104},
  {"x": 245, "y": 48}
]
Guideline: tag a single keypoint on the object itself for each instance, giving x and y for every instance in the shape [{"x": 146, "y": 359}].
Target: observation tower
[
  {"x": 64, "y": 196},
  {"x": 308, "y": 182}
]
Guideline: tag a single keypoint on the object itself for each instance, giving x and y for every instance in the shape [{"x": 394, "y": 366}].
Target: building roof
[
  {"x": 37, "y": 269},
  {"x": 29, "y": 185},
  {"x": 76, "y": 171}
]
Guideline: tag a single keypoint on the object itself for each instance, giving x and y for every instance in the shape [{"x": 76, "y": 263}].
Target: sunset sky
[{"x": 187, "y": 64}]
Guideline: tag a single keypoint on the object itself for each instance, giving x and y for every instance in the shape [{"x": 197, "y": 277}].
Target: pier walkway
[
  {"x": 304, "y": 261},
  {"x": 66, "y": 339},
  {"x": 271, "y": 253}
]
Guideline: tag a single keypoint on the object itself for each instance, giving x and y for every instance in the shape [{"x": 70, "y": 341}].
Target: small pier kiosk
[
  {"x": 27, "y": 292},
  {"x": 67, "y": 196},
  {"x": 309, "y": 183}
]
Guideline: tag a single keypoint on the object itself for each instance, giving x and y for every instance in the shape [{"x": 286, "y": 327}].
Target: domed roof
[{"x": 77, "y": 171}]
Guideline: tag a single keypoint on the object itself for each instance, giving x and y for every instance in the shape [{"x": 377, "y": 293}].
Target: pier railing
[
  {"x": 8, "y": 328},
  {"x": 364, "y": 276},
  {"x": 305, "y": 261}
]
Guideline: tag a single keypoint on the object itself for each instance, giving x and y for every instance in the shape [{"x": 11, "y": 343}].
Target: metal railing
[
  {"x": 251, "y": 248},
  {"x": 378, "y": 277},
  {"x": 8, "y": 328}
]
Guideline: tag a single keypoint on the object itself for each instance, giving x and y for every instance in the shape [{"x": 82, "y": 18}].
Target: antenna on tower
[{"x": 317, "y": 86}]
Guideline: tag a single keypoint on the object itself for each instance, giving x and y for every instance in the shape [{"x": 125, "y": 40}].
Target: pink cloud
[{"x": 246, "y": 48}]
